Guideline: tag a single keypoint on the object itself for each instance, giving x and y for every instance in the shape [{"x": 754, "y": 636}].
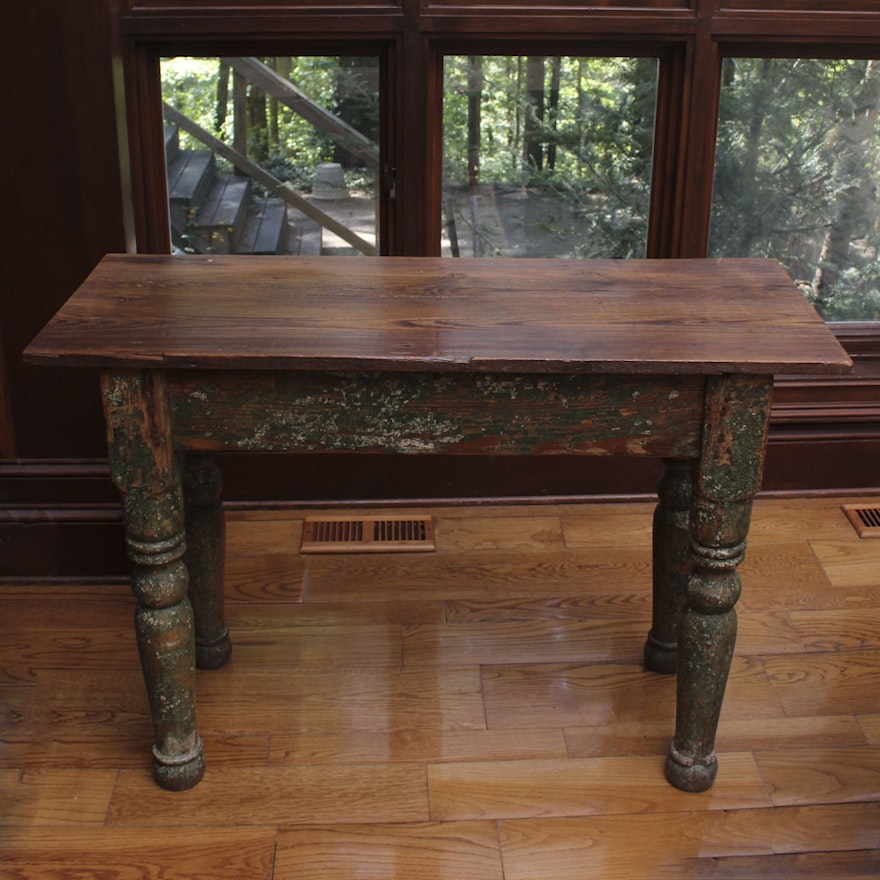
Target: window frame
[
  {"x": 145, "y": 123},
  {"x": 669, "y": 59}
]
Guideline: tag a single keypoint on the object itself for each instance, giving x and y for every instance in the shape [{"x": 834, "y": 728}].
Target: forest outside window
[
  {"x": 547, "y": 156},
  {"x": 797, "y": 162},
  {"x": 272, "y": 155}
]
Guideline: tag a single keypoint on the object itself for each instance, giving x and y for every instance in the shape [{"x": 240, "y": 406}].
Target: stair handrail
[
  {"x": 350, "y": 139},
  {"x": 271, "y": 183}
]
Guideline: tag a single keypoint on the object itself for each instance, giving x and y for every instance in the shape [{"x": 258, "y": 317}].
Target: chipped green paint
[
  {"x": 416, "y": 413},
  {"x": 737, "y": 419},
  {"x": 728, "y": 475},
  {"x": 145, "y": 468},
  {"x": 135, "y": 411}
]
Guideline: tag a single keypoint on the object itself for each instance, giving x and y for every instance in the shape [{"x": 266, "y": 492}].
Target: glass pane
[
  {"x": 547, "y": 156},
  {"x": 796, "y": 173},
  {"x": 272, "y": 155}
]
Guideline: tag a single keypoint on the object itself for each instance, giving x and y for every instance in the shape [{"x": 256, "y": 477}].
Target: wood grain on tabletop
[{"x": 404, "y": 313}]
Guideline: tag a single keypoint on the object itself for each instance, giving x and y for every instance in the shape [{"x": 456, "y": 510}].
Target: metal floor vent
[
  {"x": 865, "y": 520},
  {"x": 367, "y": 534}
]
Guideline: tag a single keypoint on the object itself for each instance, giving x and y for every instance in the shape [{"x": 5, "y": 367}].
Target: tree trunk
[
  {"x": 258, "y": 122},
  {"x": 533, "y": 144},
  {"x": 851, "y": 141},
  {"x": 222, "y": 96},
  {"x": 281, "y": 66},
  {"x": 475, "y": 95},
  {"x": 240, "y": 116},
  {"x": 760, "y": 106},
  {"x": 553, "y": 108}
]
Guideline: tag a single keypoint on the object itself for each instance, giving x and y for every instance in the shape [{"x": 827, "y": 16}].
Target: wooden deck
[{"x": 477, "y": 713}]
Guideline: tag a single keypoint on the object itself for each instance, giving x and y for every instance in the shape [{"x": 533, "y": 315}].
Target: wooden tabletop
[{"x": 401, "y": 313}]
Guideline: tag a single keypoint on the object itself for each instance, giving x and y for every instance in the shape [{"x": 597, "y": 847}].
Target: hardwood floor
[{"x": 476, "y": 713}]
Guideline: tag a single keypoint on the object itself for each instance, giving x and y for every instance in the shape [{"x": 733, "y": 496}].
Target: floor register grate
[
  {"x": 865, "y": 520},
  {"x": 367, "y": 534}
]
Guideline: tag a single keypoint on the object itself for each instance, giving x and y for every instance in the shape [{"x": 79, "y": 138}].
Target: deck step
[
  {"x": 190, "y": 176},
  {"x": 306, "y": 235},
  {"x": 265, "y": 231},
  {"x": 212, "y": 212},
  {"x": 220, "y": 221}
]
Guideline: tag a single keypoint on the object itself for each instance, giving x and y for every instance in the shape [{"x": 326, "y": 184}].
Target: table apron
[{"x": 423, "y": 412}]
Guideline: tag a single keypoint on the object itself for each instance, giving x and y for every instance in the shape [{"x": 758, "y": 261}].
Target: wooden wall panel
[
  {"x": 568, "y": 5},
  {"x": 62, "y": 205},
  {"x": 334, "y": 6},
  {"x": 838, "y": 6},
  {"x": 7, "y": 429}
]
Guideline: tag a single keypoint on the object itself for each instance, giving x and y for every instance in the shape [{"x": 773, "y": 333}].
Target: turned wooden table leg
[
  {"x": 671, "y": 566},
  {"x": 728, "y": 476},
  {"x": 206, "y": 543},
  {"x": 143, "y": 466}
]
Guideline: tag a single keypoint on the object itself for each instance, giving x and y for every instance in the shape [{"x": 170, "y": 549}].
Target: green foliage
[
  {"x": 594, "y": 123},
  {"x": 603, "y": 124},
  {"x": 797, "y": 157},
  {"x": 190, "y": 86},
  {"x": 279, "y": 139}
]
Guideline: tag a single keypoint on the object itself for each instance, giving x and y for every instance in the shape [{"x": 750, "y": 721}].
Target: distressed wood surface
[
  {"x": 430, "y": 413},
  {"x": 145, "y": 469},
  {"x": 726, "y": 480},
  {"x": 395, "y": 313}
]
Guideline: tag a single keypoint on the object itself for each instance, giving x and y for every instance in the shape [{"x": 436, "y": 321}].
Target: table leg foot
[
  {"x": 179, "y": 772},
  {"x": 660, "y": 656},
  {"x": 688, "y": 774},
  {"x": 214, "y": 655}
]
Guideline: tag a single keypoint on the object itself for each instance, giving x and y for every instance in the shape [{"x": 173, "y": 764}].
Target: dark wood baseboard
[{"x": 70, "y": 546}]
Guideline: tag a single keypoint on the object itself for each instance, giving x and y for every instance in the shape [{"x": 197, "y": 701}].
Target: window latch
[{"x": 391, "y": 183}]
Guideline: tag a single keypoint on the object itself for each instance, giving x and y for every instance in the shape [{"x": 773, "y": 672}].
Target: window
[
  {"x": 547, "y": 156},
  {"x": 796, "y": 176},
  {"x": 274, "y": 155}
]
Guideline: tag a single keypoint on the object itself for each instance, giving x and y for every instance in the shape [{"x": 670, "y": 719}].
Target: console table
[{"x": 673, "y": 359}]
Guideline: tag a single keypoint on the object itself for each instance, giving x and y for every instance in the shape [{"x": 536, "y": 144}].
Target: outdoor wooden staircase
[{"x": 216, "y": 213}]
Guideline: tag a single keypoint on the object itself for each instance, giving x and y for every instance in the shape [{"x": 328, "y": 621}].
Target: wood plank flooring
[{"x": 477, "y": 713}]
